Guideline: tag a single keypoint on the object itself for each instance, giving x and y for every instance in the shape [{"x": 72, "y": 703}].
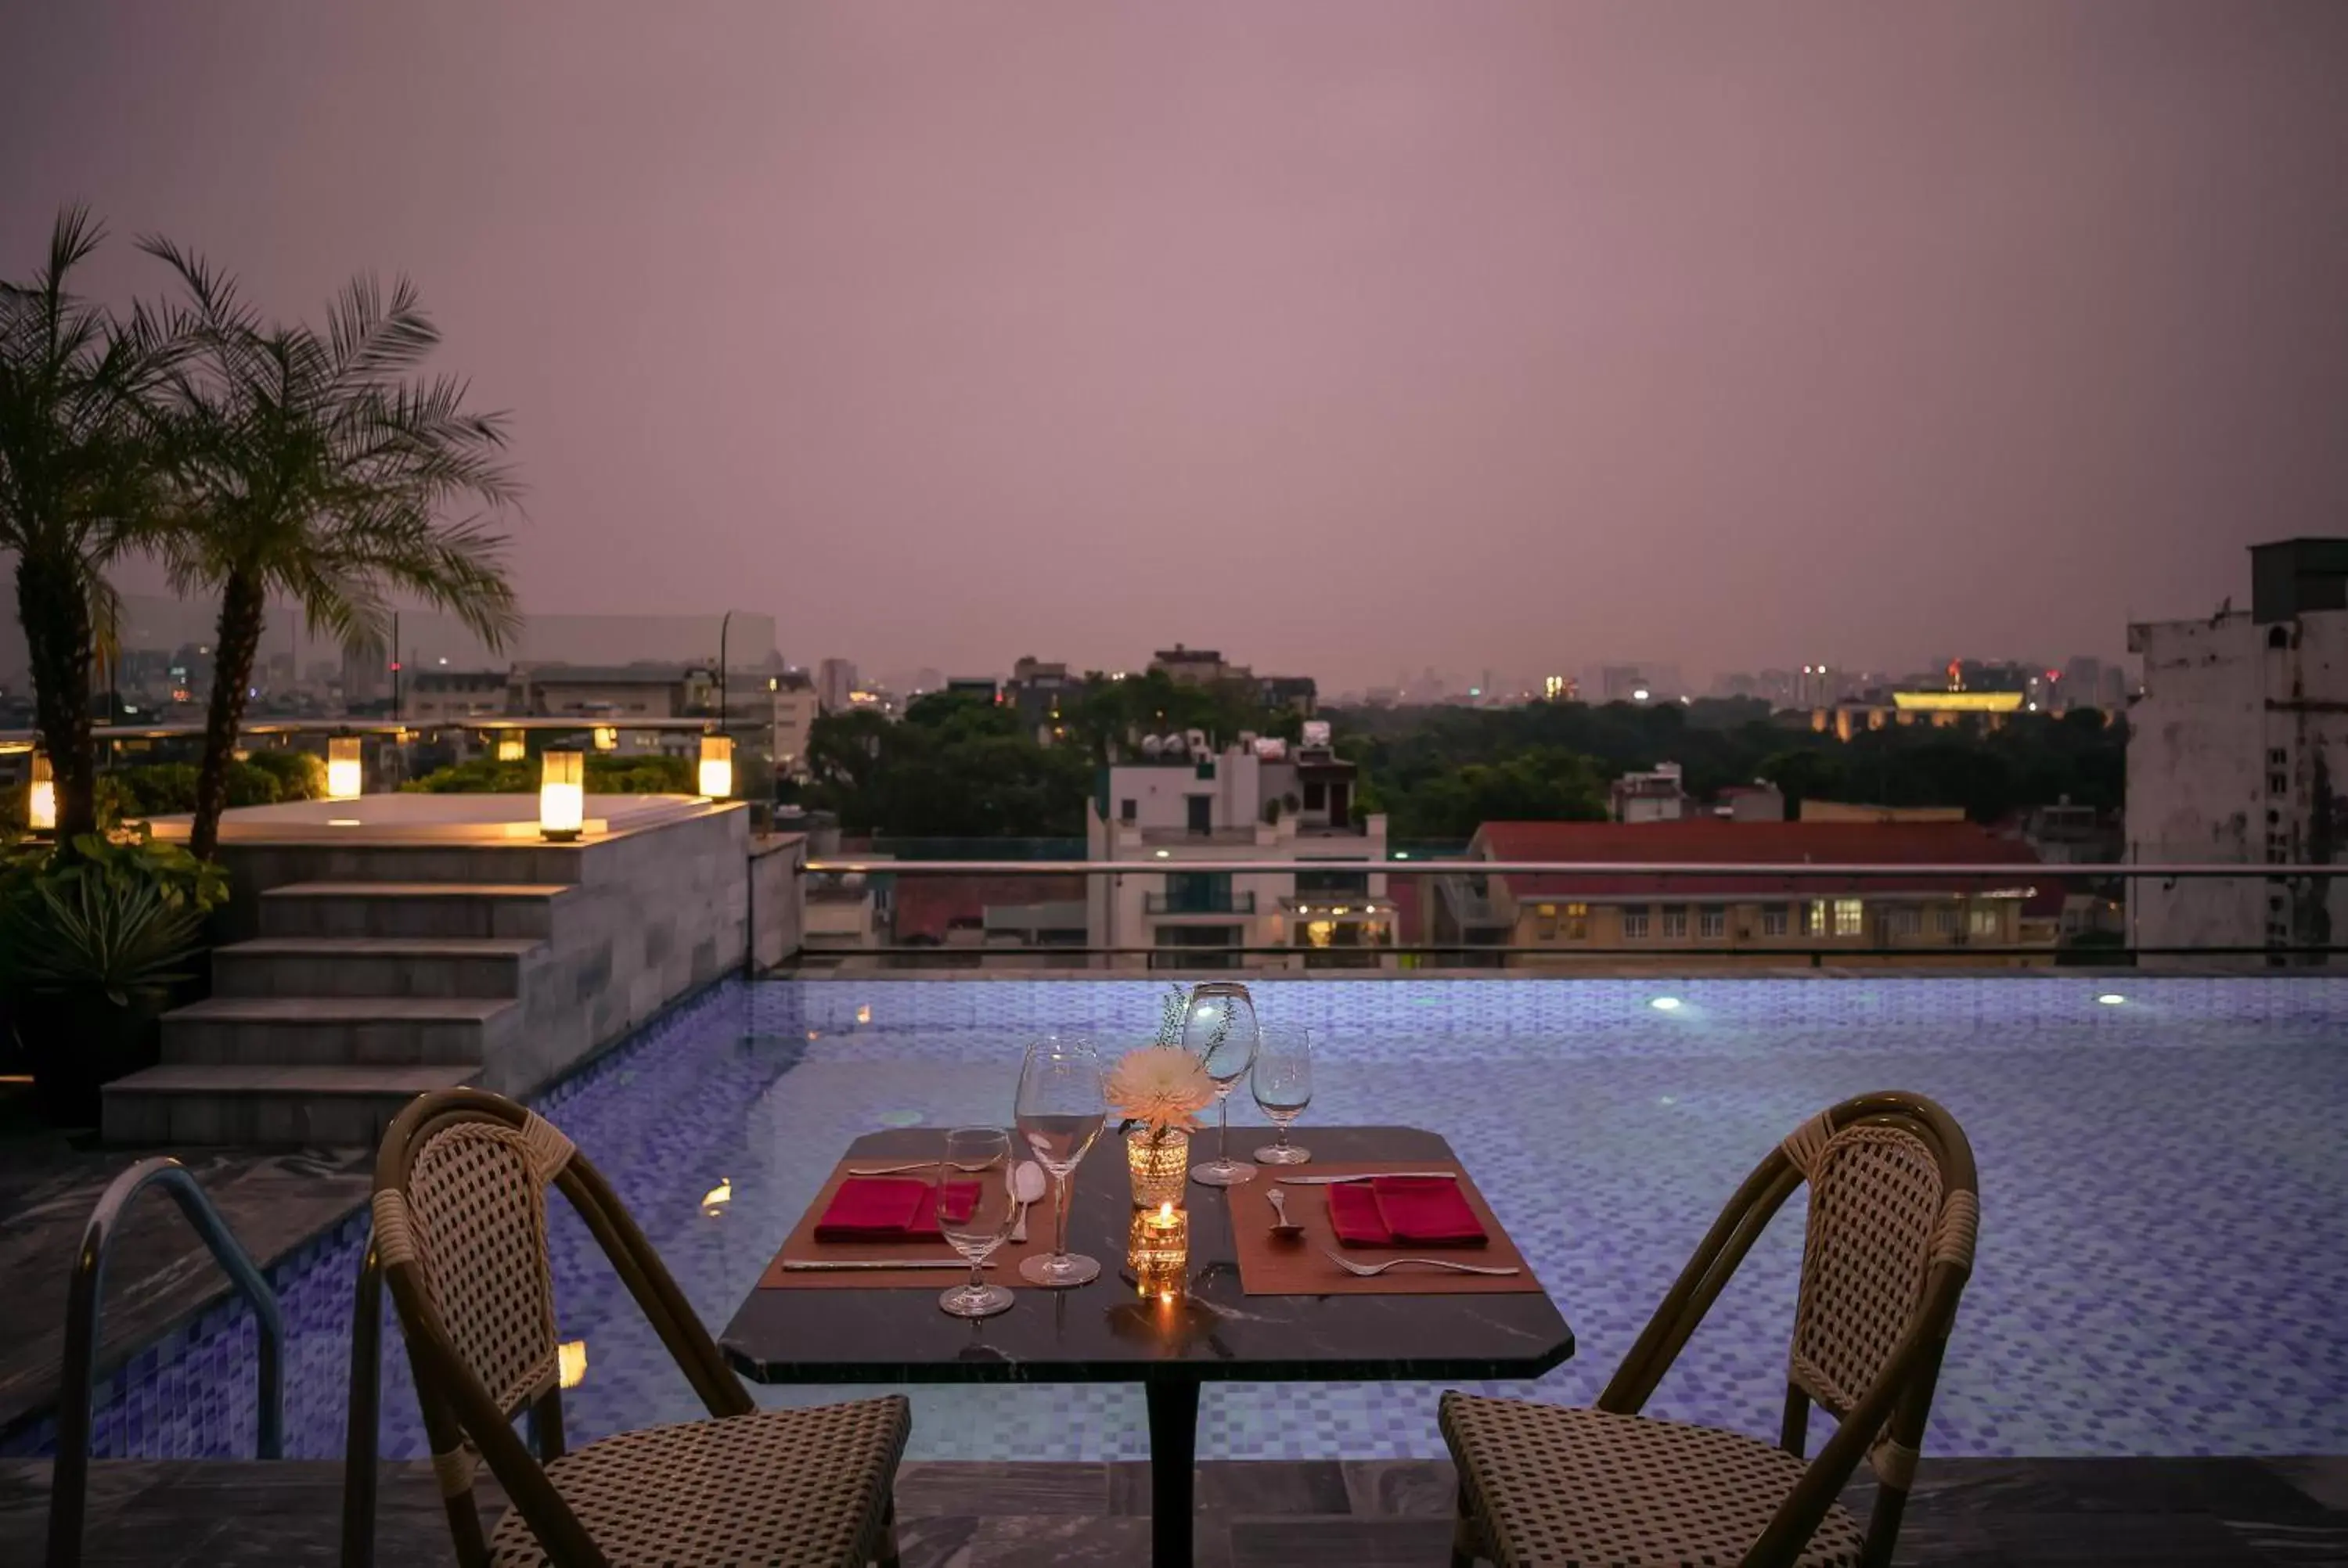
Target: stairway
[{"x": 356, "y": 997}]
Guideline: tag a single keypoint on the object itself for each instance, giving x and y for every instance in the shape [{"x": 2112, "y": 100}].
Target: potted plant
[{"x": 97, "y": 940}]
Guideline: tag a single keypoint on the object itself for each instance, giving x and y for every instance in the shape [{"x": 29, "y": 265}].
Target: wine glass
[
  {"x": 1281, "y": 1081},
  {"x": 973, "y": 1212},
  {"x": 1060, "y": 1111},
  {"x": 1219, "y": 1027}
]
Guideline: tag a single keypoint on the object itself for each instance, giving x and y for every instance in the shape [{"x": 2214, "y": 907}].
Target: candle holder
[
  {"x": 1158, "y": 1164},
  {"x": 1158, "y": 1250}
]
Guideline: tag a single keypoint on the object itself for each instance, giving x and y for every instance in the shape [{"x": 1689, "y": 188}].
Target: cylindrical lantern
[
  {"x": 718, "y": 767},
  {"x": 563, "y": 796},
  {"x": 41, "y": 811},
  {"x": 511, "y": 748},
  {"x": 343, "y": 782}
]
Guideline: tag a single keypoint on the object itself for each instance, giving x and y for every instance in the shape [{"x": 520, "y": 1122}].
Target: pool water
[{"x": 2163, "y": 1243}]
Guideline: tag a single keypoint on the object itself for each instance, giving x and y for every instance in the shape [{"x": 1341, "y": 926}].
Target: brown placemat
[
  {"x": 1269, "y": 1267},
  {"x": 800, "y": 1246}
]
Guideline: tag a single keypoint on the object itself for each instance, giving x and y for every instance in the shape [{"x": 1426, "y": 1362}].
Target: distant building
[
  {"x": 1039, "y": 688},
  {"x": 1196, "y": 666},
  {"x": 795, "y": 710},
  {"x": 1613, "y": 919},
  {"x": 442, "y": 696},
  {"x": 2237, "y": 753},
  {"x": 611, "y": 695},
  {"x": 1658, "y": 795},
  {"x": 1849, "y": 810},
  {"x": 1759, "y": 800},
  {"x": 835, "y": 684},
  {"x": 366, "y": 677},
  {"x": 1193, "y": 812},
  {"x": 1300, "y": 694}
]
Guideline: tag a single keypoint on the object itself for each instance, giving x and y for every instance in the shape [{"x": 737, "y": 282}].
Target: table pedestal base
[{"x": 1173, "y": 1449}]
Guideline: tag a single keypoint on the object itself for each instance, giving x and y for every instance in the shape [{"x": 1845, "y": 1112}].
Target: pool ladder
[{"x": 70, "y": 1485}]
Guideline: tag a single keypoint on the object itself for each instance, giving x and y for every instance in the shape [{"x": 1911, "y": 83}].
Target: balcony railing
[{"x": 1221, "y": 901}]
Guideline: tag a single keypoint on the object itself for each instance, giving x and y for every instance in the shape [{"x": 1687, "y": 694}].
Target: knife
[
  {"x": 796, "y": 1265},
  {"x": 1365, "y": 1176}
]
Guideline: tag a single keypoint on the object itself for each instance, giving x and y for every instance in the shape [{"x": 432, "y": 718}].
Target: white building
[
  {"x": 1194, "y": 811},
  {"x": 796, "y": 706},
  {"x": 1657, "y": 796},
  {"x": 2238, "y": 748}
]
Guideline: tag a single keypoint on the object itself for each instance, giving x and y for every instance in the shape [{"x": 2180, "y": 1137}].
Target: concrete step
[
  {"x": 179, "y": 1104},
  {"x": 372, "y": 967},
  {"x": 439, "y": 910},
  {"x": 335, "y": 1032},
  {"x": 271, "y": 864}
]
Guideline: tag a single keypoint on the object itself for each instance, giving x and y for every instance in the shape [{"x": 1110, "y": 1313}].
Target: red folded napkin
[
  {"x": 1404, "y": 1211},
  {"x": 891, "y": 1208}
]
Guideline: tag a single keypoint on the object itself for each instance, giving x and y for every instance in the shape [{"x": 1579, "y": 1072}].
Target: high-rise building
[
  {"x": 835, "y": 683},
  {"x": 2238, "y": 748}
]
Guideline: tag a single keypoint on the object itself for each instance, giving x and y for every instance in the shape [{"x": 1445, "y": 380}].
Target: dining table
[{"x": 1169, "y": 1343}]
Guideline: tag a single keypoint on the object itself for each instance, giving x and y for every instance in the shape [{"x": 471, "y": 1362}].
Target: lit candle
[{"x": 1160, "y": 1249}]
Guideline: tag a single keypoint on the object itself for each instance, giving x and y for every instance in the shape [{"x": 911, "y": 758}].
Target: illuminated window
[
  {"x": 1711, "y": 922},
  {"x": 1849, "y": 917},
  {"x": 1634, "y": 923},
  {"x": 1815, "y": 925},
  {"x": 1985, "y": 921},
  {"x": 1545, "y": 923},
  {"x": 1674, "y": 924},
  {"x": 1577, "y": 922},
  {"x": 1773, "y": 920}
]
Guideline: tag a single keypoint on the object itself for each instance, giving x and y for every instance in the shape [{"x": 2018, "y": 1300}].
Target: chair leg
[
  {"x": 888, "y": 1558},
  {"x": 1466, "y": 1540}
]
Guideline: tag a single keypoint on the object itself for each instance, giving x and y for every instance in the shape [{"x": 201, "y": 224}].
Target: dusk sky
[{"x": 1347, "y": 337}]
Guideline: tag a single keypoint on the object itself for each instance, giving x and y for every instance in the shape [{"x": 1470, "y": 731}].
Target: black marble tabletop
[{"x": 1103, "y": 1332}]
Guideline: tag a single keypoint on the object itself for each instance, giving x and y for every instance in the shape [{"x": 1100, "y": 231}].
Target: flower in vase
[{"x": 1161, "y": 1088}]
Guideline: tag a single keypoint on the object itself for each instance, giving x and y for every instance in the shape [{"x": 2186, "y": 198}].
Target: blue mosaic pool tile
[{"x": 2163, "y": 1185}]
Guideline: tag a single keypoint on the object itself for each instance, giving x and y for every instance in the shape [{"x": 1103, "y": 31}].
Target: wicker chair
[
  {"x": 1893, "y": 1210},
  {"x": 461, "y": 1226}
]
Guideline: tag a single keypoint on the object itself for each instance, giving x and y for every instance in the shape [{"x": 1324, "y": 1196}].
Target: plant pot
[
  {"x": 77, "y": 1041},
  {"x": 1159, "y": 1168}
]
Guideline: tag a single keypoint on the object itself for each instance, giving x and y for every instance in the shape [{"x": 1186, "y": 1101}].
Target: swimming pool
[{"x": 2164, "y": 1187}]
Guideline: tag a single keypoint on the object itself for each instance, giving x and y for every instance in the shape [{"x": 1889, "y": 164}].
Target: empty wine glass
[
  {"x": 1282, "y": 1080},
  {"x": 973, "y": 1214},
  {"x": 1219, "y": 1027},
  {"x": 1061, "y": 1107}
]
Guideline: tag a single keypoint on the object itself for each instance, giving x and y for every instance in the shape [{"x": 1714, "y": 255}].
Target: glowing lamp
[
  {"x": 343, "y": 782},
  {"x": 606, "y": 737},
  {"x": 718, "y": 767},
  {"x": 41, "y": 811},
  {"x": 563, "y": 796},
  {"x": 510, "y": 748},
  {"x": 570, "y": 1363},
  {"x": 1158, "y": 1250}
]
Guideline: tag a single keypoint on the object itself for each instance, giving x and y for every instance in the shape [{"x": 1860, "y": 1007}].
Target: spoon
[
  {"x": 1283, "y": 1228},
  {"x": 1027, "y": 1186}
]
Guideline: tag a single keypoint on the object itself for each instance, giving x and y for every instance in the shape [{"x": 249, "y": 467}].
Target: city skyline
[{"x": 1972, "y": 327}]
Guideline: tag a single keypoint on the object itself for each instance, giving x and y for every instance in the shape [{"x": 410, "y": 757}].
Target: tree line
[{"x": 959, "y": 765}]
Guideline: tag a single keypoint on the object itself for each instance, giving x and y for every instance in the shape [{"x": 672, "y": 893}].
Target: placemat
[
  {"x": 1269, "y": 1267},
  {"x": 800, "y": 1246}
]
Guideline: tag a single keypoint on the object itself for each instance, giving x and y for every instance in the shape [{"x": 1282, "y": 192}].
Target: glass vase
[{"x": 1159, "y": 1165}]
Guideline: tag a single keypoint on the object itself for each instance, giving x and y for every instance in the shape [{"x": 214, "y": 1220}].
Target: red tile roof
[
  {"x": 1715, "y": 841},
  {"x": 927, "y": 906}
]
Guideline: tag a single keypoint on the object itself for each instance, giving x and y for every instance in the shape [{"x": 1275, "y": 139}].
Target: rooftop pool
[{"x": 2163, "y": 1243}]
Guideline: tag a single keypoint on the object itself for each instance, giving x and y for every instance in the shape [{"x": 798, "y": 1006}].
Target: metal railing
[
  {"x": 68, "y": 1492},
  {"x": 1728, "y": 882}
]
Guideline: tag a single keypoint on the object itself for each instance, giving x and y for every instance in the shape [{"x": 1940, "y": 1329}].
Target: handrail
[
  {"x": 359, "y": 1442},
  {"x": 68, "y": 1491},
  {"x": 2006, "y": 872},
  {"x": 484, "y": 722}
]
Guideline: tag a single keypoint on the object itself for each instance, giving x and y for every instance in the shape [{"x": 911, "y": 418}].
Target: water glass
[
  {"x": 1219, "y": 1027},
  {"x": 1062, "y": 1104},
  {"x": 1281, "y": 1081},
  {"x": 974, "y": 1222}
]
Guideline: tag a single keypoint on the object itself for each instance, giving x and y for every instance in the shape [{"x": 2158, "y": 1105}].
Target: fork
[
  {"x": 918, "y": 1165},
  {"x": 1372, "y": 1270}
]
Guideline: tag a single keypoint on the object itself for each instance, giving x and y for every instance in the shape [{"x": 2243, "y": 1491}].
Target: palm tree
[
  {"x": 311, "y": 468},
  {"x": 79, "y": 483}
]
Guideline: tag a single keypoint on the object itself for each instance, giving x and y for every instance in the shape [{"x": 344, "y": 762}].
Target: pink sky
[{"x": 1347, "y": 337}]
